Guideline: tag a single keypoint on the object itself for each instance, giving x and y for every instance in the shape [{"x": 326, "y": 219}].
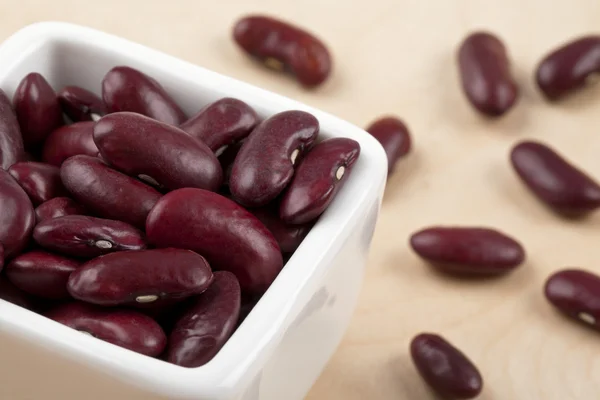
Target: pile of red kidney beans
[
  {"x": 488, "y": 84},
  {"x": 128, "y": 220}
]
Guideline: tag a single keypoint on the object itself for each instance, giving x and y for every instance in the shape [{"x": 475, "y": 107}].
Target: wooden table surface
[{"x": 398, "y": 56}]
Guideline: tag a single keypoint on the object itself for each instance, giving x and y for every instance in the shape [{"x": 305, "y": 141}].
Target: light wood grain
[{"x": 397, "y": 56}]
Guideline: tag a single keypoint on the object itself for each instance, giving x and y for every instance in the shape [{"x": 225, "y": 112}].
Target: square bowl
[{"x": 283, "y": 345}]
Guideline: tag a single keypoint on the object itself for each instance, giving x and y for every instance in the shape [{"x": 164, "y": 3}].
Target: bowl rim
[{"x": 267, "y": 323}]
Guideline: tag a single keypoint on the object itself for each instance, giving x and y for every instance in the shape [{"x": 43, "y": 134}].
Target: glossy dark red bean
[
  {"x": 80, "y": 104},
  {"x": 41, "y": 274},
  {"x": 37, "y": 108},
  {"x": 228, "y": 236},
  {"x": 127, "y": 89},
  {"x": 40, "y": 181},
  {"x": 17, "y": 217},
  {"x": 125, "y": 328},
  {"x": 137, "y": 278},
  {"x": 207, "y": 324},
  {"x": 11, "y": 142},
  {"x": 468, "y": 250},
  {"x": 485, "y": 74},
  {"x": 222, "y": 123},
  {"x": 569, "y": 67},
  {"x": 58, "y": 207},
  {"x": 82, "y": 236},
  {"x": 445, "y": 368},
  {"x": 317, "y": 180},
  {"x": 394, "y": 136},
  {"x": 576, "y": 293},
  {"x": 14, "y": 295},
  {"x": 288, "y": 236},
  {"x": 265, "y": 164},
  {"x": 106, "y": 192},
  {"x": 281, "y": 45},
  {"x": 68, "y": 141},
  {"x": 163, "y": 152},
  {"x": 554, "y": 180}
]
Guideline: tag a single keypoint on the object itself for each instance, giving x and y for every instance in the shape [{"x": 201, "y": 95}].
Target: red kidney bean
[
  {"x": 14, "y": 295},
  {"x": 265, "y": 163},
  {"x": 17, "y": 217},
  {"x": 125, "y": 328},
  {"x": 40, "y": 181},
  {"x": 11, "y": 142},
  {"x": 163, "y": 152},
  {"x": 58, "y": 207},
  {"x": 317, "y": 180},
  {"x": 228, "y": 236},
  {"x": 81, "y": 104},
  {"x": 485, "y": 73},
  {"x": 141, "y": 277},
  {"x": 37, "y": 108},
  {"x": 475, "y": 251},
  {"x": 222, "y": 123},
  {"x": 554, "y": 180},
  {"x": 576, "y": 293},
  {"x": 107, "y": 192},
  {"x": 82, "y": 236},
  {"x": 288, "y": 236},
  {"x": 393, "y": 135},
  {"x": 41, "y": 274},
  {"x": 445, "y": 368},
  {"x": 207, "y": 324},
  {"x": 127, "y": 89},
  {"x": 68, "y": 141},
  {"x": 568, "y": 68},
  {"x": 283, "y": 46}
]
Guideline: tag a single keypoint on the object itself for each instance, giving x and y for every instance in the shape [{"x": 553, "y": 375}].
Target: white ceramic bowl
[{"x": 285, "y": 342}]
